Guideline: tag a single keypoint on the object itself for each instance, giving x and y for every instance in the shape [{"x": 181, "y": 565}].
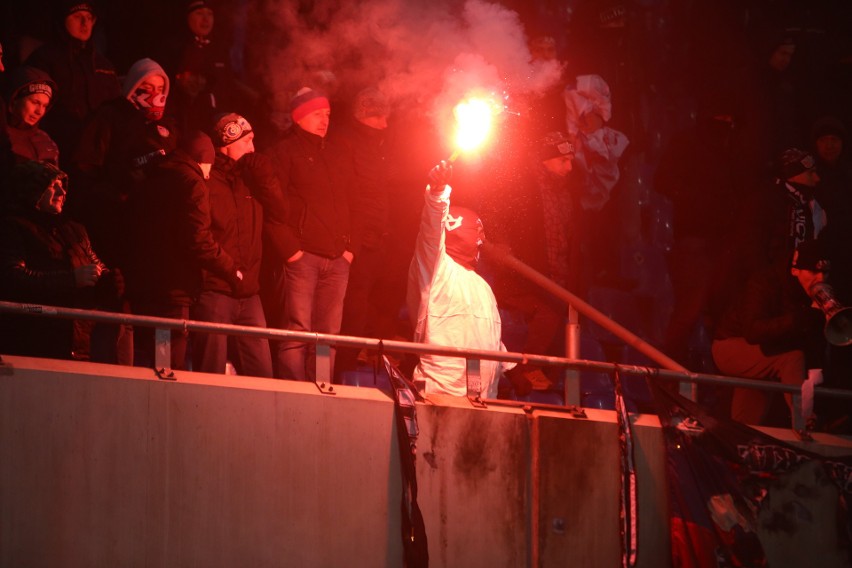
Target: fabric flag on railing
[
  {"x": 415, "y": 545},
  {"x": 628, "y": 497},
  {"x": 739, "y": 497}
]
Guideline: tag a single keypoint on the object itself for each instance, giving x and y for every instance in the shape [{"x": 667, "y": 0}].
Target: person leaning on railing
[{"x": 46, "y": 258}]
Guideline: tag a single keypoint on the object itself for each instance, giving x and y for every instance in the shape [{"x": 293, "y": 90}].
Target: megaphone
[{"x": 838, "y": 318}]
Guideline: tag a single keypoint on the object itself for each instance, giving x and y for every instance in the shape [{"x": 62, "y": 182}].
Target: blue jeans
[
  {"x": 313, "y": 302},
  {"x": 250, "y": 355}
]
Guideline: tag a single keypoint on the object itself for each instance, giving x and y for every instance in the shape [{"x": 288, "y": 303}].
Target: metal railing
[{"x": 324, "y": 343}]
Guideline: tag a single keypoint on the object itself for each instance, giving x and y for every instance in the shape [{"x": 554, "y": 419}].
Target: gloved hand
[{"x": 439, "y": 176}]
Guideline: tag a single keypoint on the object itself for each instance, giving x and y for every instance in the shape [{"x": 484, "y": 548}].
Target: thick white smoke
[{"x": 429, "y": 54}]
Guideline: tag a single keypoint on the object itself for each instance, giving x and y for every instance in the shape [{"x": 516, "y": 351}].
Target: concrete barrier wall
[{"x": 110, "y": 466}]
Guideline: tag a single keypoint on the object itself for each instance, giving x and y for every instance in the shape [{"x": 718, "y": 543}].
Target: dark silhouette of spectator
[
  {"x": 702, "y": 172},
  {"x": 237, "y": 225},
  {"x": 46, "y": 258},
  {"x": 85, "y": 78},
  {"x": 192, "y": 103},
  {"x": 122, "y": 141},
  {"x": 547, "y": 112},
  {"x": 777, "y": 113},
  {"x": 202, "y": 50},
  {"x": 363, "y": 137},
  {"x": 31, "y": 95},
  {"x": 315, "y": 179},
  {"x": 172, "y": 243},
  {"x": 772, "y": 332},
  {"x": 834, "y": 167},
  {"x": 534, "y": 216}
]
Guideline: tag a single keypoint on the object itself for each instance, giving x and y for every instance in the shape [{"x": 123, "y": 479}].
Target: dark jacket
[
  {"x": 370, "y": 189},
  {"x": 171, "y": 236},
  {"x": 237, "y": 225},
  {"x": 117, "y": 149},
  {"x": 38, "y": 255},
  {"x": 315, "y": 175},
  {"x": 85, "y": 80},
  {"x": 773, "y": 311},
  {"x": 32, "y": 143}
]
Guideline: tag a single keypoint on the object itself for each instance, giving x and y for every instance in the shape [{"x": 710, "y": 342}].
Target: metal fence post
[
  {"x": 572, "y": 351},
  {"x": 162, "y": 348}
]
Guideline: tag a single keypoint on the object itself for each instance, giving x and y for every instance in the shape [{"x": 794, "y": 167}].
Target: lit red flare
[{"x": 474, "y": 123}]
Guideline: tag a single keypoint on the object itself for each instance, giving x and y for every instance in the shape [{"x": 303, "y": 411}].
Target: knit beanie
[
  {"x": 199, "y": 147},
  {"x": 307, "y": 101},
  {"x": 228, "y": 128},
  {"x": 197, "y": 5},
  {"x": 370, "y": 102},
  {"x": 26, "y": 80},
  {"x": 72, "y": 7}
]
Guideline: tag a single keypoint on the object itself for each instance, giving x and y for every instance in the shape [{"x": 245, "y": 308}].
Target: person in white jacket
[{"x": 450, "y": 304}]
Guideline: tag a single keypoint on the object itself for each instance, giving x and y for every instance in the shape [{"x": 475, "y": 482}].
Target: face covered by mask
[
  {"x": 465, "y": 236},
  {"x": 151, "y": 103}
]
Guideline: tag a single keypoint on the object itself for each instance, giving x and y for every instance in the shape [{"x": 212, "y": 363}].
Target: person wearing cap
[
  {"x": 31, "y": 93},
  {"x": 772, "y": 331},
  {"x": 47, "y": 258},
  {"x": 85, "y": 78},
  {"x": 172, "y": 244},
  {"x": 532, "y": 213},
  {"x": 448, "y": 302},
  {"x": 236, "y": 224},
  {"x": 315, "y": 178}
]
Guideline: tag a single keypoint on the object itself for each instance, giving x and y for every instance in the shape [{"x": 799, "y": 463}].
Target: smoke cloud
[{"x": 429, "y": 55}]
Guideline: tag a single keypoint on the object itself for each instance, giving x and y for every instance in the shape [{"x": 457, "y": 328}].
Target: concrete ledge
[{"x": 110, "y": 466}]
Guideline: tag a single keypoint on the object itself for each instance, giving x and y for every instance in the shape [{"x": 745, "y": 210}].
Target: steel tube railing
[{"x": 37, "y": 310}]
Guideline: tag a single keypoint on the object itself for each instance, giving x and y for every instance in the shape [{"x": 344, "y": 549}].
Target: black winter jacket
[
  {"x": 38, "y": 255},
  {"x": 85, "y": 80},
  {"x": 237, "y": 225},
  {"x": 315, "y": 176},
  {"x": 171, "y": 236}
]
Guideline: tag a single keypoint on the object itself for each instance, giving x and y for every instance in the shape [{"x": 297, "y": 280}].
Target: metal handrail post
[
  {"x": 162, "y": 348},
  {"x": 503, "y": 256},
  {"x": 572, "y": 351}
]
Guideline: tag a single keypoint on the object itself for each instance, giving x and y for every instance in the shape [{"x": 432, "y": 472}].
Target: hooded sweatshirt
[{"x": 152, "y": 105}]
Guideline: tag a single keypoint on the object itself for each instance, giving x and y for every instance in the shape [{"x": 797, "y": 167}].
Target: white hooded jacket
[{"x": 450, "y": 305}]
